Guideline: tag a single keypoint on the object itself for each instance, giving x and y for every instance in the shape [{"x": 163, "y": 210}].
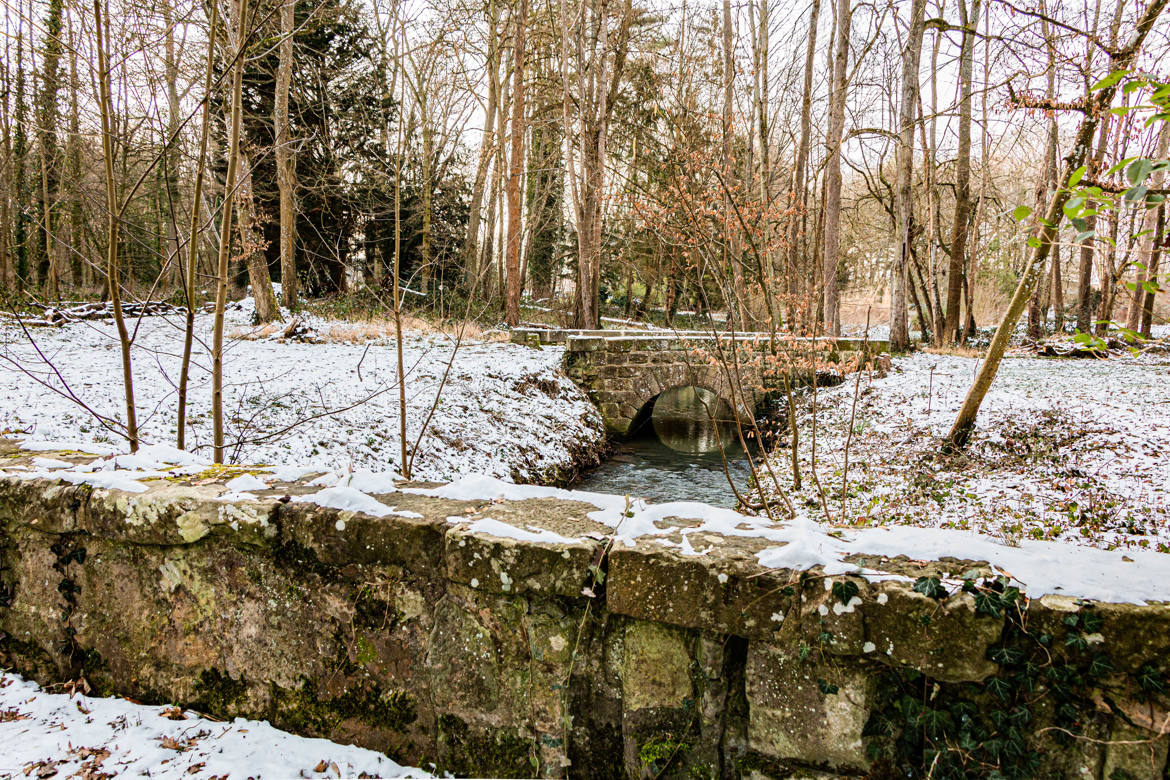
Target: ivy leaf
[
  {"x": 931, "y": 587},
  {"x": 845, "y": 590},
  {"x": 826, "y": 687}
]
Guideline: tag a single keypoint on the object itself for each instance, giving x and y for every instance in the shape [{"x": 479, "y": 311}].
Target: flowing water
[{"x": 674, "y": 454}]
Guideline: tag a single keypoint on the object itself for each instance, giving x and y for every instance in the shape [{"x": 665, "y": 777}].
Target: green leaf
[
  {"x": 1077, "y": 175},
  {"x": 845, "y": 591},
  {"x": 1021, "y": 213},
  {"x": 931, "y": 587},
  {"x": 1109, "y": 80},
  {"x": 1085, "y": 236},
  {"x": 1034, "y": 241}
]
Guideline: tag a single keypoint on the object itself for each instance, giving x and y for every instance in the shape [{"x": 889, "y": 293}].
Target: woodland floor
[
  {"x": 1075, "y": 450},
  {"x": 504, "y": 410}
]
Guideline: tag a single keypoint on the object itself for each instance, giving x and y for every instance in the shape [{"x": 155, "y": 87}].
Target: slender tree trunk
[
  {"x": 798, "y": 263},
  {"x": 908, "y": 111},
  {"x": 113, "y": 216},
  {"x": 255, "y": 260},
  {"x": 173, "y": 261},
  {"x": 1037, "y": 259},
  {"x": 49, "y": 164},
  {"x": 730, "y": 244},
  {"x": 1159, "y": 245},
  {"x": 286, "y": 164},
  {"x": 471, "y": 264},
  {"x": 833, "y": 167},
  {"x": 513, "y": 290},
  {"x": 1144, "y": 269},
  {"x": 961, "y": 225},
  {"x": 225, "y": 228}
]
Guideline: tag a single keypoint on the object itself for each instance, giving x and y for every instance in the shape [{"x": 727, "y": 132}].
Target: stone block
[
  {"x": 944, "y": 640},
  {"x": 809, "y": 712},
  {"x": 656, "y": 667},
  {"x": 503, "y": 565}
]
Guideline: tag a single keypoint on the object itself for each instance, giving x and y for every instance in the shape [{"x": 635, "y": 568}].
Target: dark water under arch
[{"x": 673, "y": 453}]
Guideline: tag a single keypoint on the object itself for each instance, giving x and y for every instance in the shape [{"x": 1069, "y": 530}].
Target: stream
[{"x": 674, "y": 454}]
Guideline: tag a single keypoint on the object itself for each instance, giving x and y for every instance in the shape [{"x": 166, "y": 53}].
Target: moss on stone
[
  {"x": 217, "y": 693},
  {"x": 658, "y": 753},
  {"x": 304, "y": 710},
  {"x": 483, "y": 754}
]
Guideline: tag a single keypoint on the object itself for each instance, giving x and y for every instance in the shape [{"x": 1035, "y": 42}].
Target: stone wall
[{"x": 491, "y": 656}]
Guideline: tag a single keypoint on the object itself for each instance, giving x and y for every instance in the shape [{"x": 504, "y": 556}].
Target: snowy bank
[
  {"x": 66, "y": 735},
  {"x": 504, "y": 409}
]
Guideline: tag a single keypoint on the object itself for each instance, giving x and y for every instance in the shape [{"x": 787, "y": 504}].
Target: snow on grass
[
  {"x": 506, "y": 409},
  {"x": 43, "y": 734},
  {"x": 1075, "y": 450}
]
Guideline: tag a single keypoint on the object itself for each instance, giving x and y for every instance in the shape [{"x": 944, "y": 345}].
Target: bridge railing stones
[{"x": 482, "y": 654}]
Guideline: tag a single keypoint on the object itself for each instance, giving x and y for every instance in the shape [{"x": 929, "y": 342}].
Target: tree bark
[
  {"x": 1145, "y": 259},
  {"x": 796, "y": 262},
  {"x": 832, "y": 228},
  {"x": 908, "y": 111},
  {"x": 515, "y": 215},
  {"x": 225, "y": 229},
  {"x": 285, "y": 160},
  {"x": 113, "y": 217},
  {"x": 961, "y": 224}
]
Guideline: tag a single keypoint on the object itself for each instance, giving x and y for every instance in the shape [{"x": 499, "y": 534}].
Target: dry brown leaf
[
  {"x": 173, "y": 713},
  {"x": 172, "y": 744}
]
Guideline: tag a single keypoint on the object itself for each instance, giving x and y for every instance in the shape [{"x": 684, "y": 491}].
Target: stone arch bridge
[{"x": 624, "y": 371}]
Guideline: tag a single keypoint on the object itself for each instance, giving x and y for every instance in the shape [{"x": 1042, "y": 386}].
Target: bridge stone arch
[
  {"x": 622, "y": 375},
  {"x": 623, "y": 370}
]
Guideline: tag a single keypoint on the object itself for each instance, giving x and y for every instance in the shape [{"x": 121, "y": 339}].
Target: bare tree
[
  {"x": 832, "y": 246},
  {"x": 908, "y": 111},
  {"x": 1096, "y": 104},
  {"x": 238, "y": 40},
  {"x": 286, "y": 165}
]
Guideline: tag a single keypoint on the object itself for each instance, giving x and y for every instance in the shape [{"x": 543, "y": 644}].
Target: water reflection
[
  {"x": 692, "y": 420},
  {"x": 674, "y": 455}
]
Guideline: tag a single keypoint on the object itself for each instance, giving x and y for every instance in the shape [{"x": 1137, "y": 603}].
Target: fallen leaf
[{"x": 173, "y": 713}]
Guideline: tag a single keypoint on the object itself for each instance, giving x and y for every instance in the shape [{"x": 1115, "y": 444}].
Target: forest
[{"x": 789, "y": 165}]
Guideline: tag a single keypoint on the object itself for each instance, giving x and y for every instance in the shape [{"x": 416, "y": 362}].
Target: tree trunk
[
  {"x": 908, "y": 110},
  {"x": 471, "y": 263},
  {"x": 49, "y": 164},
  {"x": 225, "y": 229},
  {"x": 833, "y": 167},
  {"x": 515, "y": 215},
  {"x": 796, "y": 262},
  {"x": 1159, "y": 244},
  {"x": 961, "y": 225},
  {"x": 730, "y": 245},
  {"x": 285, "y": 160},
  {"x": 113, "y": 217},
  {"x": 1145, "y": 260},
  {"x": 254, "y": 259}
]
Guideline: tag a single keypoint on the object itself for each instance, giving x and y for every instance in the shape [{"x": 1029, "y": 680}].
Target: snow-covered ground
[
  {"x": 61, "y": 735},
  {"x": 1075, "y": 450},
  {"x": 505, "y": 409}
]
